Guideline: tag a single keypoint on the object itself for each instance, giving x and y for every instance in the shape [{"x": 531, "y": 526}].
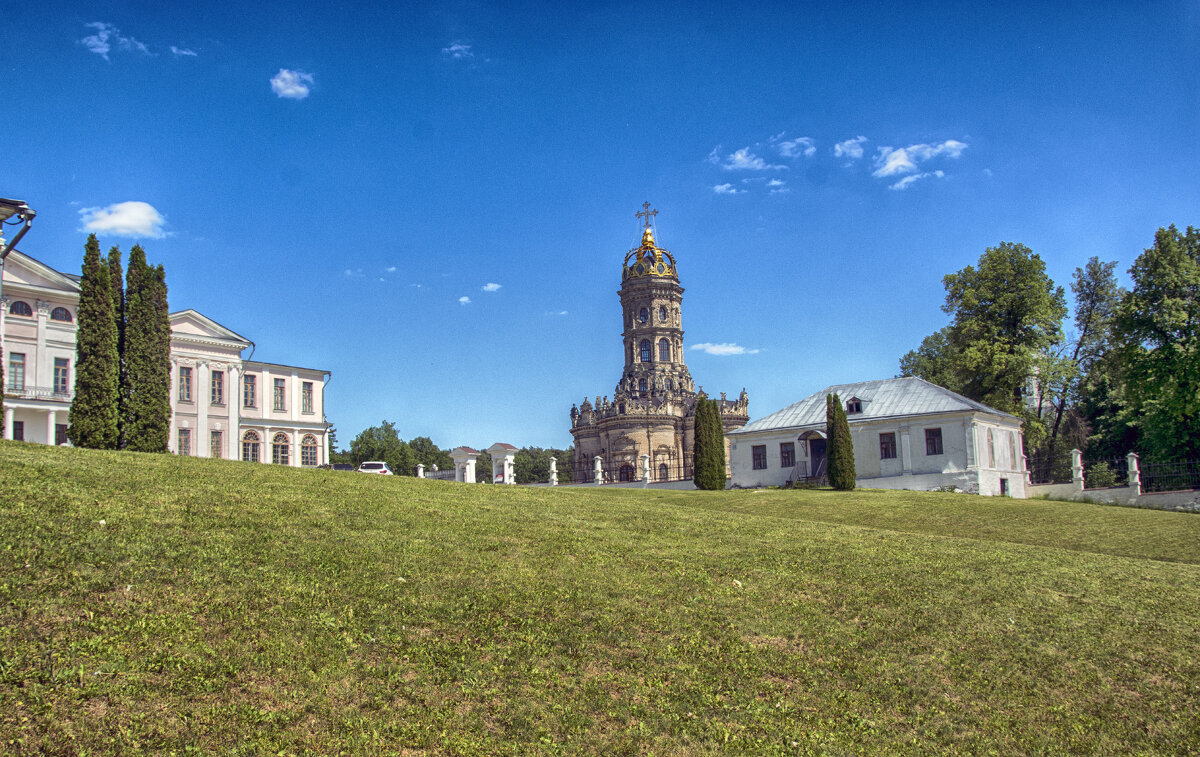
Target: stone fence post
[
  {"x": 645, "y": 469},
  {"x": 554, "y": 471},
  {"x": 1077, "y": 469},
  {"x": 420, "y": 470},
  {"x": 598, "y": 469},
  {"x": 1135, "y": 475}
]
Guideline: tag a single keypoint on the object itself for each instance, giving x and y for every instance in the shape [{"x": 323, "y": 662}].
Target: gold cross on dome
[{"x": 646, "y": 213}]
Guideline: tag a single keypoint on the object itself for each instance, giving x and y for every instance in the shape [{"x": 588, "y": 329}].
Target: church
[{"x": 647, "y": 428}]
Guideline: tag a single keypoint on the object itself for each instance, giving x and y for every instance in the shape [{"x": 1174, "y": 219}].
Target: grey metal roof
[{"x": 885, "y": 398}]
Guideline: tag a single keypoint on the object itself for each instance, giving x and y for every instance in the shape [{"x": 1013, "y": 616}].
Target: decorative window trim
[
  {"x": 62, "y": 315},
  {"x": 933, "y": 441},
  {"x": 21, "y": 309}
]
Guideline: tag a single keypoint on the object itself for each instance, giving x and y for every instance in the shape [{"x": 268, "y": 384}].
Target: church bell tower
[{"x": 651, "y": 305}]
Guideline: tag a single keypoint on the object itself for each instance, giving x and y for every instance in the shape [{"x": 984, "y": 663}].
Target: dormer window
[{"x": 853, "y": 405}]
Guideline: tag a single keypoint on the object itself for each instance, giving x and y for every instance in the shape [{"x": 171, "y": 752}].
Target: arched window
[
  {"x": 279, "y": 449},
  {"x": 308, "y": 451},
  {"x": 250, "y": 447},
  {"x": 644, "y": 348},
  {"x": 662, "y": 313},
  {"x": 626, "y": 472},
  {"x": 664, "y": 350},
  {"x": 670, "y": 385},
  {"x": 662, "y": 472},
  {"x": 20, "y": 308},
  {"x": 641, "y": 385},
  {"x": 644, "y": 315},
  {"x": 61, "y": 314}
]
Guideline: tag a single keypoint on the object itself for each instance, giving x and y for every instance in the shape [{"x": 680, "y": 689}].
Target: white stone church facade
[{"x": 221, "y": 404}]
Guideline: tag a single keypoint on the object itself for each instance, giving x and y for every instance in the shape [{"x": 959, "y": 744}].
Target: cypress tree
[
  {"x": 839, "y": 445},
  {"x": 147, "y": 356},
  {"x": 708, "y": 456},
  {"x": 117, "y": 286},
  {"x": 94, "y": 407}
]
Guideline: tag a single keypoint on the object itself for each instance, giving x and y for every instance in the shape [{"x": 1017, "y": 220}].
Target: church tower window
[
  {"x": 644, "y": 348},
  {"x": 664, "y": 350},
  {"x": 644, "y": 315},
  {"x": 641, "y": 385},
  {"x": 662, "y": 313}
]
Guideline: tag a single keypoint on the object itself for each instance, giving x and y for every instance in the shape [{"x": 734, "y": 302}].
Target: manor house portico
[
  {"x": 221, "y": 405},
  {"x": 652, "y": 411}
]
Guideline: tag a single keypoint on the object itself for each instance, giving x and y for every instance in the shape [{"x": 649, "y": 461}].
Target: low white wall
[{"x": 1182, "y": 501}]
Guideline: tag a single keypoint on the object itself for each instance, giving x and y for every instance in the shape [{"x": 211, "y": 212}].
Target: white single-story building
[{"x": 907, "y": 434}]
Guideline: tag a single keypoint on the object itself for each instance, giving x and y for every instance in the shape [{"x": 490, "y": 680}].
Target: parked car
[{"x": 374, "y": 466}]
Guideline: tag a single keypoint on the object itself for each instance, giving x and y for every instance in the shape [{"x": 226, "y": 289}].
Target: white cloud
[
  {"x": 556, "y": 312},
  {"x": 726, "y": 348},
  {"x": 124, "y": 219},
  {"x": 353, "y": 273},
  {"x": 775, "y": 183},
  {"x": 490, "y": 287},
  {"x": 727, "y": 189},
  {"x": 743, "y": 160},
  {"x": 182, "y": 51},
  {"x": 291, "y": 84},
  {"x": 390, "y": 269},
  {"x": 851, "y": 148},
  {"x": 464, "y": 300},
  {"x": 107, "y": 35},
  {"x": 890, "y": 162},
  {"x": 458, "y": 51},
  {"x": 907, "y": 180},
  {"x": 794, "y": 148}
]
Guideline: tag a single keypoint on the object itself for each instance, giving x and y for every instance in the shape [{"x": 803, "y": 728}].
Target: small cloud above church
[
  {"x": 464, "y": 300},
  {"x": 491, "y": 286},
  {"x": 727, "y": 189},
  {"x": 723, "y": 349}
]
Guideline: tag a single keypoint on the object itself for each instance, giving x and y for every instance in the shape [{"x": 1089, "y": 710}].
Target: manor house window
[
  {"x": 217, "y": 388},
  {"x": 20, "y": 308},
  {"x": 61, "y": 314},
  {"x": 759, "y": 454},
  {"x": 250, "y": 444},
  {"x": 216, "y": 444},
  {"x": 62, "y": 375},
  {"x": 933, "y": 441},
  {"x": 16, "y": 371},
  {"x": 280, "y": 449},
  {"x": 185, "y": 384},
  {"x": 308, "y": 451},
  {"x": 280, "y": 394},
  {"x": 249, "y": 391},
  {"x": 887, "y": 446},
  {"x": 306, "y": 397},
  {"x": 787, "y": 454},
  {"x": 184, "y": 443}
]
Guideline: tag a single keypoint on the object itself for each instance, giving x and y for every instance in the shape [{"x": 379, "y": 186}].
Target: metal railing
[
  {"x": 1169, "y": 477},
  {"x": 39, "y": 393},
  {"x": 1102, "y": 474}
]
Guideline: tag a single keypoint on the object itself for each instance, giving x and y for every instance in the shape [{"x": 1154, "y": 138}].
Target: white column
[
  {"x": 905, "y": 451},
  {"x": 266, "y": 403},
  {"x": 202, "y": 396},
  {"x": 264, "y": 455},
  {"x": 173, "y": 394},
  {"x": 51, "y": 422},
  {"x": 325, "y": 445},
  {"x": 8, "y": 422},
  {"x": 294, "y": 448},
  {"x": 43, "y": 361},
  {"x": 233, "y": 432},
  {"x": 293, "y": 393}
]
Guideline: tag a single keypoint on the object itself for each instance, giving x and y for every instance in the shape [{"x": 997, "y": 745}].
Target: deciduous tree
[
  {"x": 384, "y": 444},
  {"x": 1158, "y": 323}
]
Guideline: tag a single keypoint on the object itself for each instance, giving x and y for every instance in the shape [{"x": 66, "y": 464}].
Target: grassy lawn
[{"x": 153, "y": 604}]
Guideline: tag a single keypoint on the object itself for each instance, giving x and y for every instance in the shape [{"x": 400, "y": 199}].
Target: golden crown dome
[{"x": 648, "y": 259}]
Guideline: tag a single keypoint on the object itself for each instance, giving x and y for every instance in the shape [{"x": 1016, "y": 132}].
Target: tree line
[
  {"x": 1124, "y": 377},
  {"x": 122, "y": 354},
  {"x": 531, "y": 464}
]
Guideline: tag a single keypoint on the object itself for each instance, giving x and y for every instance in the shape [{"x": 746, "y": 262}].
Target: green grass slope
[{"x": 154, "y": 604}]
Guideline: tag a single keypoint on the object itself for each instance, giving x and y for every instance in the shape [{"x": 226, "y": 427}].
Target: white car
[{"x": 374, "y": 467}]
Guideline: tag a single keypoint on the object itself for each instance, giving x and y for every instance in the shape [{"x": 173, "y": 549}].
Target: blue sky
[{"x": 433, "y": 201}]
